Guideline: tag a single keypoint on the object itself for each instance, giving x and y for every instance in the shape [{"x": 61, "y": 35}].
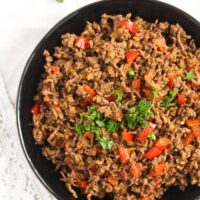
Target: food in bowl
[{"x": 118, "y": 109}]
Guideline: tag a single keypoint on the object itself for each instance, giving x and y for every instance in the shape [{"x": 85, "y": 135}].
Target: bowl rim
[{"x": 53, "y": 29}]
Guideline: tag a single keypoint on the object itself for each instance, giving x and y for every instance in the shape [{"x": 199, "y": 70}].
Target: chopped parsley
[
  {"x": 112, "y": 126},
  {"x": 81, "y": 117},
  {"x": 60, "y": 1},
  {"x": 80, "y": 129},
  {"x": 105, "y": 143},
  {"x": 189, "y": 76},
  {"x": 152, "y": 136},
  {"x": 119, "y": 96},
  {"x": 155, "y": 94},
  {"x": 95, "y": 122},
  {"x": 119, "y": 99},
  {"x": 131, "y": 73},
  {"x": 168, "y": 101},
  {"x": 138, "y": 113}
]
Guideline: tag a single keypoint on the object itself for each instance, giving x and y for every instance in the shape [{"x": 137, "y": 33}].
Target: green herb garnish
[
  {"x": 167, "y": 102},
  {"x": 189, "y": 76},
  {"x": 155, "y": 94},
  {"x": 112, "y": 126},
  {"x": 105, "y": 143},
  {"x": 80, "y": 129},
  {"x": 131, "y": 73},
  {"x": 119, "y": 96},
  {"x": 81, "y": 117},
  {"x": 152, "y": 136},
  {"x": 60, "y": 1},
  {"x": 138, "y": 114}
]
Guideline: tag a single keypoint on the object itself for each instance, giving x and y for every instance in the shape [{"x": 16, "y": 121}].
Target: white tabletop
[{"x": 23, "y": 23}]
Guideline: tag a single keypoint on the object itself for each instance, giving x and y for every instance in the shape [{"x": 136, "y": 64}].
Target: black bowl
[{"x": 150, "y": 10}]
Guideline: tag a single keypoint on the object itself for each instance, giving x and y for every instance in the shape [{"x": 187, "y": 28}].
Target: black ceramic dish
[{"x": 150, "y": 10}]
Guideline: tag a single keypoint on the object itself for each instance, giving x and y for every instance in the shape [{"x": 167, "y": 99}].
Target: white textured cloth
[{"x": 23, "y": 24}]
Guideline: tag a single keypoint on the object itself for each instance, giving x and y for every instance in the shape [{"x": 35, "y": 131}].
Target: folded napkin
[{"x": 17, "y": 181}]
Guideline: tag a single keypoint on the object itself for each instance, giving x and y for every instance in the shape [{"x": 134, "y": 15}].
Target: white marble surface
[{"x": 22, "y": 25}]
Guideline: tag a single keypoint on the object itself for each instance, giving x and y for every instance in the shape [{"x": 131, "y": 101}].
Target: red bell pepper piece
[
  {"x": 36, "y": 109},
  {"x": 131, "y": 26},
  {"x": 161, "y": 44},
  {"x": 113, "y": 181},
  {"x": 83, "y": 184},
  {"x": 81, "y": 43},
  {"x": 91, "y": 92},
  {"x": 144, "y": 134},
  {"x": 123, "y": 154},
  {"x": 136, "y": 170},
  {"x": 153, "y": 152},
  {"x": 131, "y": 56},
  {"x": 157, "y": 170},
  {"x": 112, "y": 97},
  {"x": 162, "y": 143},
  {"x": 193, "y": 123},
  {"x": 136, "y": 84},
  {"x": 54, "y": 68},
  {"x": 171, "y": 80},
  {"x": 188, "y": 139},
  {"x": 144, "y": 198},
  {"x": 127, "y": 136},
  {"x": 181, "y": 99}
]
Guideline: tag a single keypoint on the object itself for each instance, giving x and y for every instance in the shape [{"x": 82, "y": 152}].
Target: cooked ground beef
[{"x": 118, "y": 109}]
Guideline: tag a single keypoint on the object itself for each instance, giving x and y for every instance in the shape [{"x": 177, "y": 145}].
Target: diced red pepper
[
  {"x": 162, "y": 143},
  {"x": 113, "y": 181},
  {"x": 153, "y": 152},
  {"x": 161, "y": 44},
  {"x": 84, "y": 103},
  {"x": 136, "y": 170},
  {"x": 98, "y": 150},
  {"x": 196, "y": 132},
  {"x": 171, "y": 80},
  {"x": 188, "y": 139},
  {"x": 112, "y": 97},
  {"x": 194, "y": 96},
  {"x": 36, "y": 109},
  {"x": 193, "y": 123},
  {"x": 81, "y": 42},
  {"x": 148, "y": 93},
  {"x": 131, "y": 26},
  {"x": 144, "y": 134},
  {"x": 136, "y": 84},
  {"x": 157, "y": 170},
  {"x": 123, "y": 154},
  {"x": 91, "y": 92},
  {"x": 127, "y": 136},
  {"x": 94, "y": 169},
  {"x": 54, "y": 68},
  {"x": 131, "y": 56},
  {"x": 181, "y": 99},
  {"x": 83, "y": 184}
]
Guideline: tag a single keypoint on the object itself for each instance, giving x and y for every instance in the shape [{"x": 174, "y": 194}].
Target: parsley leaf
[
  {"x": 81, "y": 117},
  {"x": 155, "y": 94},
  {"x": 119, "y": 96},
  {"x": 112, "y": 126},
  {"x": 189, "y": 76},
  {"x": 80, "y": 129},
  {"x": 60, "y": 1},
  {"x": 152, "y": 136},
  {"x": 167, "y": 102},
  {"x": 105, "y": 143},
  {"x": 138, "y": 114},
  {"x": 131, "y": 73}
]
